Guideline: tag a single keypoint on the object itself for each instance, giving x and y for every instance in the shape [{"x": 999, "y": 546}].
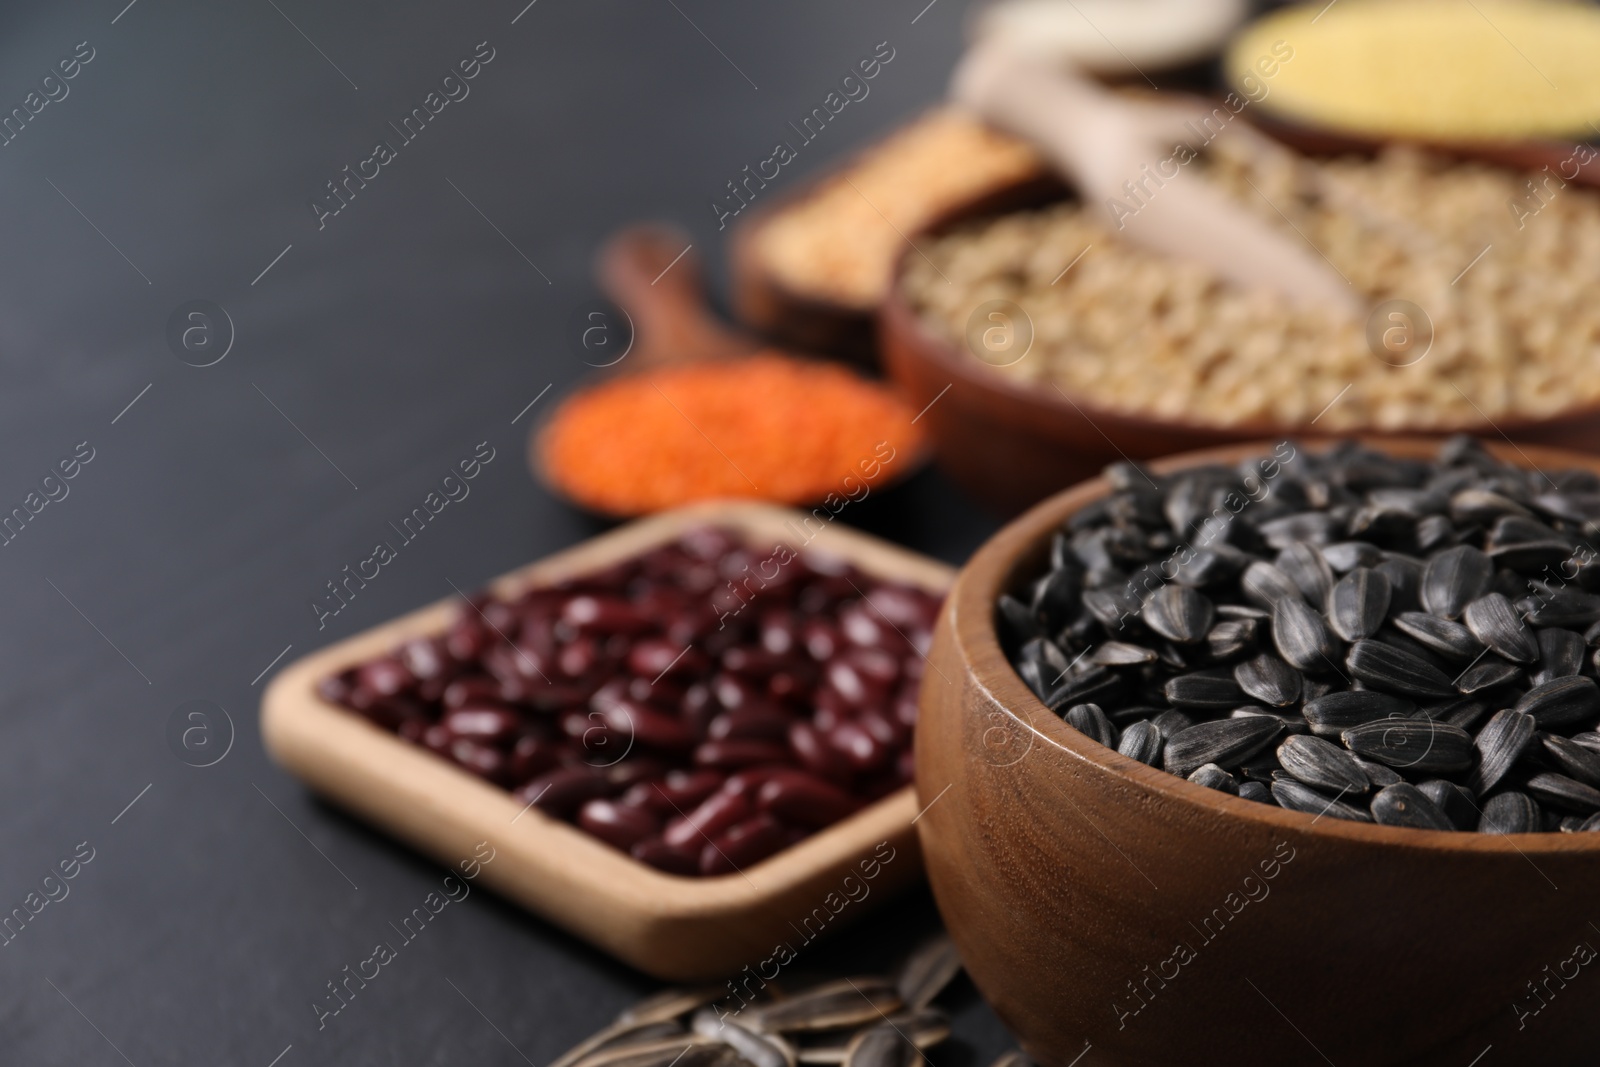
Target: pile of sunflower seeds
[
  {"x": 1351, "y": 634},
  {"x": 864, "y": 1021}
]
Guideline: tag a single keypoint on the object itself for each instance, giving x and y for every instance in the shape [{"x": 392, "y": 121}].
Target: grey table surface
[{"x": 370, "y": 351}]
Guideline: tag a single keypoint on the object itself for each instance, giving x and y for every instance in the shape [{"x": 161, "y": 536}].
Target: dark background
[{"x": 397, "y": 338}]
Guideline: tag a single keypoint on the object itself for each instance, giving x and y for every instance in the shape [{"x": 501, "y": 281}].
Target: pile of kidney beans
[{"x": 700, "y": 706}]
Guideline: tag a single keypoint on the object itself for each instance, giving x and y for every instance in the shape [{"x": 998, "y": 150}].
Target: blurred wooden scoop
[{"x": 1100, "y": 141}]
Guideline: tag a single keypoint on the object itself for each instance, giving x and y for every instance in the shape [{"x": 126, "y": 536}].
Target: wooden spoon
[
  {"x": 1101, "y": 141},
  {"x": 649, "y": 272}
]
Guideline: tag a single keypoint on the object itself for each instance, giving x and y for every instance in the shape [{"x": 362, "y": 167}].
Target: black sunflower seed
[
  {"x": 1224, "y": 741},
  {"x": 1322, "y": 765},
  {"x": 1313, "y": 527},
  {"x": 1264, "y": 585},
  {"x": 1214, "y": 688},
  {"x": 1297, "y": 796},
  {"x": 1481, "y": 506},
  {"x": 1530, "y": 557},
  {"x": 1121, "y": 654},
  {"x": 1405, "y": 582},
  {"x": 1435, "y": 532},
  {"x": 1420, "y": 746},
  {"x": 1377, "y": 773},
  {"x": 1141, "y": 741},
  {"x": 1358, "y": 604},
  {"x": 1589, "y": 825},
  {"x": 1178, "y": 613},
  {"x": 1394, "y": 670},
  {"x": 1308, "y": 571},
  {"x": 1230, "y": 638},
  {"x": 1348, "y": 555},
  {"x": 1465, "y": 713},
  {"x": 1406, "y": 805},
  {"x": 1562, "y": 702},
  {"x": 1458, "y": 805},
  {"x": 1501, "y": 741},
  {"x": 1091, "y": 721},
  {"x": 1331, "y": 715},
  {"x": 1561, "y": 654},
  {"x": 1268, "y": 679},
  {"x": 1573, "y": 759},
  {"x": 1565, "y": 606},
  {"x": 1518, "y": 530},
  {"x": 1455, "y": 578},
  {"x": 1493, "y": 620},
  {"x": 1213, "y": 777},
  {"x": 1257, "y": 792},
  {"x": 1509, "y": 813},
  {"x": 1018, "y": 621},
  {"x": 1448, "y": 639},
  {"x": 1113, "y": 607},
  {"x": 1486, "y": 674},
  {"x": 1292, "y": 723},
  {"x": 1302, "y": 638},
  {"x": 1565, "y": 793},
  {"x": 1170, "y": 722}
]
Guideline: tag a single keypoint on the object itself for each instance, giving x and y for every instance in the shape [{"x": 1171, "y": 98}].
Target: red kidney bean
[
  {"x": 730, "y": 755},
  {"x": 425, "y": 657},
  {"x": 662, "y": 856},
  {"x": 742, "y": 845},
  {"x": 647, "y": 726},
  {"x": 864, "y": 627},
  {"x": 578, "y": 657},
  {"x": 478, "y": 758},
  {"x": 471, "y": 688},
  {"x": 603, "y": 614},
  {"x": 685, "y": 790},
  {"x": 533, "y": 755},
  {"x": 855, "y": 688},
  {"x": 863, "y": 751},
  {"x": 466, "y": 640},
  {"x": 715, "y": 814},
  {"x": 750, "y": 780},
  {"x": 780, "y": 632},
  {"x": 883, "y": 728},
  {"x": 485, "y": 722},
  {"x": 385, "y": 677},
  {"x": 616, "y": 824},
  {"x": 874, "y": 664},
  {"x": 814, "y": 753},
  {"x": 750, "y": 724},
  {"x": 655, "y": 657},
  {"x": 561, "y": 792},
  {"x": 905, "y": 766},
  {"x": 821, "y": 638},
  {"x": 732, "y": 691},
  {"x": 437, "y": 738},
  {"x": 752, "y": 662},
  {"x": 635, "y": 770},
  {"x": 412, "y": 730},
  {"x": 803, "y": 799}
]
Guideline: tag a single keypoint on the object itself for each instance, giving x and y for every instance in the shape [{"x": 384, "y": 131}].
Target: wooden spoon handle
[{"x": 651, "y": 274}]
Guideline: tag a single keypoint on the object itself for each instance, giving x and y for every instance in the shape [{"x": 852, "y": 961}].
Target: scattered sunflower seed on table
[
  {"x": 1347, "y": 633},
  {"x": 858, "y": 1021}
]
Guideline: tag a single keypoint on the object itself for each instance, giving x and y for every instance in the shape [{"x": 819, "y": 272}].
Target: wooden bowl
[
  {"x": 1070, "y": 875},
  {"x": 1012, "y": 444},
  {"x": 679, "y": 929}
]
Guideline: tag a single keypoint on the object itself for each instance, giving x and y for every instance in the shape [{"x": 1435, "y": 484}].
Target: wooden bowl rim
[
  {"x": 896, "y": 317},
  {"x": 992, "y": 567}
]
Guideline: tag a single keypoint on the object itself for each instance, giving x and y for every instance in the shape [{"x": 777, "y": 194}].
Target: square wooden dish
[{"x": 676, "y": 928}]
